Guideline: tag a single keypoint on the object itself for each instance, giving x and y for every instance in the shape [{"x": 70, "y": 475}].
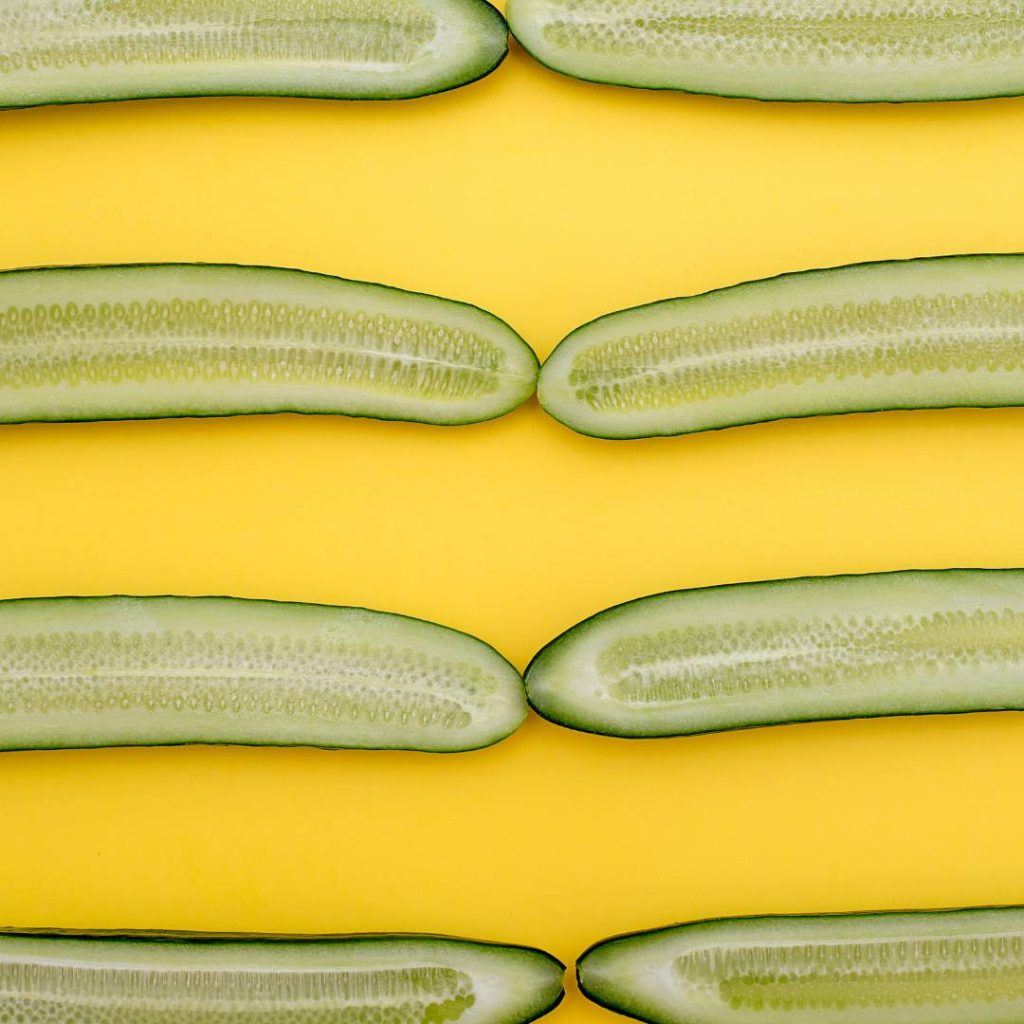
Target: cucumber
[
  {"x": 175, "y": 339},
  {"x": 138, "y": 671},
  {"x": 925, "y": 333},
  {"x": 845, "y": 50},
  {"x": 752, "y": 654},
  {"x": 920, "y": 967},
  {"x": 69, "y": 51},
  {"x": 381, "y": 979}
]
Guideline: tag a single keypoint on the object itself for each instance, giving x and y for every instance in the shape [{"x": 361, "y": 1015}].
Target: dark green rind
[
  {"x": 290, "y": 410},
  {"x": 745, "y": 422},
  {"x": 567, "y": 722},
  {"x": 627, "y": 1008},
  {"x": 444, "y": 85},
  {"x": 260, "y": 743}
]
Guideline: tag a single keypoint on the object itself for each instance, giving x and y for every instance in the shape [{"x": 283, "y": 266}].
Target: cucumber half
[
  {"x": 752, "y": 654},
  {"x": 138, "y": 671},
  {"x": 380, "y": 979},
  {"x": 154, "y": 340},
  {"x": 924, "y": 333},
  {"x": 67, "y": 51},
  {"x": 845, "y": 50},
  {"x": 924, "y": 967}
]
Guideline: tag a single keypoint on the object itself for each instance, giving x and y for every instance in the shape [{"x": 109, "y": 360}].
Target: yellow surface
[{"x": 548, "y": 201}]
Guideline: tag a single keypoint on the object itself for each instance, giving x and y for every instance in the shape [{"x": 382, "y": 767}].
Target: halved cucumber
[
  {"x": 379, "y": 979},
  {"x": 924, "y": 967},
  {"x": 67, "y": 51},
  {"x": 924, "y": 333},
  {"x": 829, "y": 647},
  {"x": 847, "y": 50},
  {"x": 127, "y": 671},
  {"x": 177, "y": 339}
]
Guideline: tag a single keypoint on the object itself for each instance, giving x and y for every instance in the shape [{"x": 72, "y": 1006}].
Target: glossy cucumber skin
[
  {"x": 735, "y": 667},
  {"x": 299, "y": 79},
  {"x": 166, "y": 391},
  {"x": 636, "y": 974},
  {"x": 105, "y": 973},
  {"x": 736, "y": 79},
  {"x": 166, "y": 671},
  {"x": 857, "y": 387}
]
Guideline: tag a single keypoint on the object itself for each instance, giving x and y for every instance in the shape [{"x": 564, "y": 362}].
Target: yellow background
[{"x": 548, "y": 201}]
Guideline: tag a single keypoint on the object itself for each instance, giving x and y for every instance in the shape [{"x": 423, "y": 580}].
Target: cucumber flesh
[
  {"x": 129, "y": 342},
  {"x": 845, "y": 50},
  {"x": 923, "y": 967},
  {"x": 272, "y": 980},
  {"x": 136, "y": 671},
  {"x": 925, "y": 333},
  {"x": 733, "y": 657},
  {"x": 66, "y": 51}
]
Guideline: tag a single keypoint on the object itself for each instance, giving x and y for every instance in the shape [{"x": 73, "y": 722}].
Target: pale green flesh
[
  {"x": 849, "y": 50},
  {"x": 86, "y": 672},
  {"x": 791, "y": 650},
  {"x": 921, "y": 333},
  {"x": 59, "y": 51},
  {"x": 360, "y": 981},
  {"x": 206, "y": 340},
  {"x": 950, "y": 967}
]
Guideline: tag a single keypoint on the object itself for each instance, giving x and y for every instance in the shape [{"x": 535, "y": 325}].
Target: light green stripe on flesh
[
  {"x": 846, "y": 50},
  {"x": 731, "y": 657},
  {"x": 913, "y": 968},
  {"x": 186, "y": 339},
  {"x": 59, "y": 51},
  {"x": 939, "y": 332}
]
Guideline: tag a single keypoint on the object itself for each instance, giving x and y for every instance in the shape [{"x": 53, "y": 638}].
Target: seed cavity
[
  {"x": 244, "y": 676},
  {"x": 776, "y": 33},
  {"x": 970, "y": 333},
  {"x": 78, "y": 993},
  {"x": 953, "y": 972},
  {"x": 186, "y": 340},
  {"x": 359, "y": 34},
  {"x": 778, "y": 655}
]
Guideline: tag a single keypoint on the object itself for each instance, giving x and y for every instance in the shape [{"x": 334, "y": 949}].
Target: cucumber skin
[
  {"x": 626, "y": 1009},
  {"x": 583, "y": 624},
  {"x": 283, "y": 410},
  {"x": 483, "y": 5},
  {"x": 174, "y": 937},
  {"x": 744, "y": 421},
  {"x": 279, "y": 746}
]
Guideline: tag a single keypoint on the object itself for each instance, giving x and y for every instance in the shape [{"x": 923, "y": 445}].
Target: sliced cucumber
[
  {"x": 130, "y": 342},
  {"x": 126, "y": 671},
  {"x": 846, "y": 50},
  {"x": 67, "y": 51},
  {"x": 732, "y": 657},
  {"x": 937, "y": 332},
  {"x": 924, "y": 967},
  {"x": 381, "y": 979}
]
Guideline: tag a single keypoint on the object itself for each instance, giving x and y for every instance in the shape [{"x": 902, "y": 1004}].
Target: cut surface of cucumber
[
  {"x": 127, "y": 671},
  {"x": 920, "y": 967},
  {"x": 66, "y": 51},
  {"x": 751, "y": 654},
  {"x": 401, "y": 979},
  {"x": 845, "y": 50},
  {"x": 925, "y": 333},
  {"x": 143, "y": 341}
]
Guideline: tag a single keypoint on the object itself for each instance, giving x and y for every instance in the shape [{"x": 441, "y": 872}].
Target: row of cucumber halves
[
  {"x": 157, "y": 340},
  {"x": 66, "y": 51},
  {"x": 923, "y": 967},
  {"x": 117, "y": 671}
]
